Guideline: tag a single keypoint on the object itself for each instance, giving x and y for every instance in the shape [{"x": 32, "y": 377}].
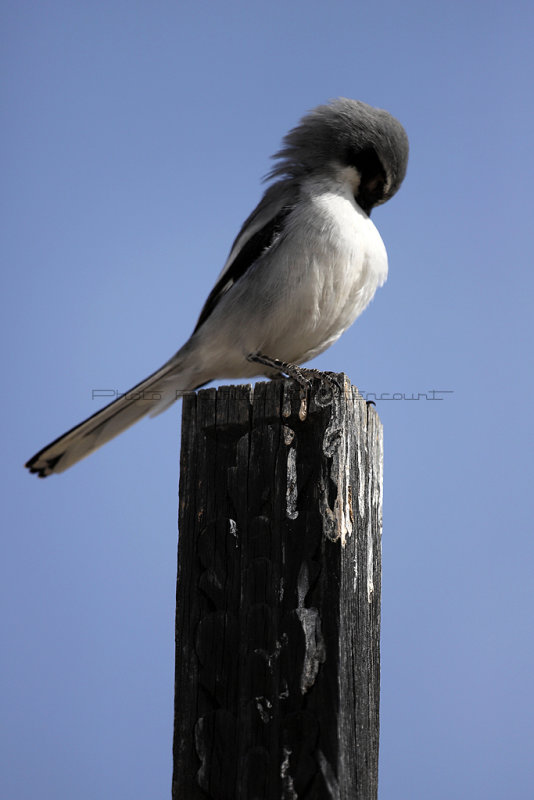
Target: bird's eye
[
  {"x": 366, "y": 161},
  {"x": 372, "y": 178}
]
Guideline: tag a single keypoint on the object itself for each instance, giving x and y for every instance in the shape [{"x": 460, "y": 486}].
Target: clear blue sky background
[{"x": 134, "y": 137}]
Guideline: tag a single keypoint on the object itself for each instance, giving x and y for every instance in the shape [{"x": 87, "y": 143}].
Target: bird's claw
[{"x": 302, "y": 375}]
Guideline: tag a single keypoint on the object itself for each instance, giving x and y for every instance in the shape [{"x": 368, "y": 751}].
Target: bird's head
[{"x": 348, "y": 133}]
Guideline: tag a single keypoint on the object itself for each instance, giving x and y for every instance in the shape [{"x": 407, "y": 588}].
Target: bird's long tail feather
[{"x": 151, "y": 396}]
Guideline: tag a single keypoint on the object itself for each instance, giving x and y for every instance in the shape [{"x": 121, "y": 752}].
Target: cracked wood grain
[{"x": 278, "y": 594}]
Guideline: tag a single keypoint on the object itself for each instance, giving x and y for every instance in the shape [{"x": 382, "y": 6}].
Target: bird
[{"x": 305, "y": 264}]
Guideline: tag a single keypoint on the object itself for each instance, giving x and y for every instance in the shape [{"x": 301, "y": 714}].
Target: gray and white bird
[{"x": 305, "y": 264}]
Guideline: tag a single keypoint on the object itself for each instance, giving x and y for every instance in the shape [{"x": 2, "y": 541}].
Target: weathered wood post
[{"x": 278, "y": 595}]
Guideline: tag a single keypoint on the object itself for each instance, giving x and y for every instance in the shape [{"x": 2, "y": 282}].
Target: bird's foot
[{"x": 302, "y": 375}]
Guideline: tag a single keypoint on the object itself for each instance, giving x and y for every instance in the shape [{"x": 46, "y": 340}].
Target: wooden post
[{"x": 278, "y": 595}]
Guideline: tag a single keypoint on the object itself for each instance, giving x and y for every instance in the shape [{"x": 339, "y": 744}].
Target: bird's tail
[{"x": 151, "y": 396}]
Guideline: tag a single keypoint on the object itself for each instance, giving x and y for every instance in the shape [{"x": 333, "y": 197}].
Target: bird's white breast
[{"x": 330, "y": 266}]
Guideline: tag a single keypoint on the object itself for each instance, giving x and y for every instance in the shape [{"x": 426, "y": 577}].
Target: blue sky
[{"x": 135, "y": 135}]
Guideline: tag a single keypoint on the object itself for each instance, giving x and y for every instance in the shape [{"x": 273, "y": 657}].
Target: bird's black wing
[{"x": 267, "y": 223}]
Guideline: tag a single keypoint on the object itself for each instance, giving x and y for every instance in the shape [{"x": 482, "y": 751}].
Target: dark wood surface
[{"x": 278, "y": 595}]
